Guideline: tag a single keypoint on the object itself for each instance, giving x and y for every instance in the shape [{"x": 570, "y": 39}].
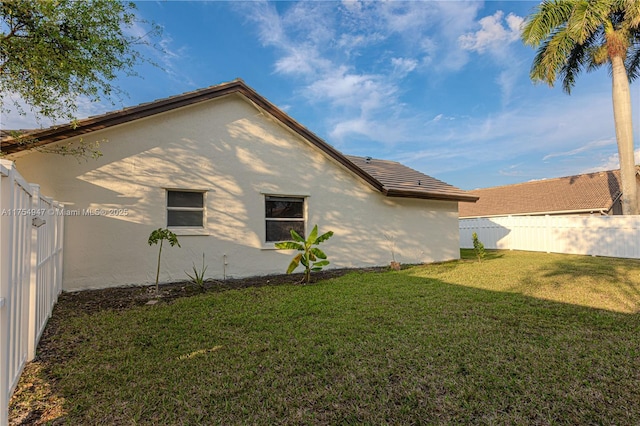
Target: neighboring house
[
  {"x": 230, "y": 174},
  {"x": 593, "y": 193}
]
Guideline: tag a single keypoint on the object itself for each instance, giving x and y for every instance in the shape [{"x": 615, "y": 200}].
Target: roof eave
[
  {"x": 88, "y": 125},
  {"x": 430, "y": 195},
  {"x": 603, "y": 210}
]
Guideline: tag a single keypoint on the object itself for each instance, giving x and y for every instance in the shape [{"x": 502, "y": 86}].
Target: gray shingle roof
[{"x": 398, "y": 179}]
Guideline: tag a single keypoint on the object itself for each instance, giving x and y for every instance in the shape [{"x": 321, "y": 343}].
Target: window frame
[
  {"x": 188, "y": 229},
  {"x": 303, "y": 219}
]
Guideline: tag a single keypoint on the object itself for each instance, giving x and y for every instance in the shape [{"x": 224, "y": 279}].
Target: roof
[
  {"x": 390, "y": 178},
  {"x": 586, "y": 193},
  {"x": 398, "y": 179}
]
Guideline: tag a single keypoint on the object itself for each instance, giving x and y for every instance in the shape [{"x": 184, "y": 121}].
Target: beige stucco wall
[{"x": 237, "y": 153}]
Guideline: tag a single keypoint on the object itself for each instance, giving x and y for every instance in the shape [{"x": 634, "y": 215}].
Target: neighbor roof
[
  {"x": 390, "y": 178},
  {"x": 592, "y": 192}
]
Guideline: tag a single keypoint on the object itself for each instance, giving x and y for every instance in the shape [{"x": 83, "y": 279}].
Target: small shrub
[
  {"x": 161, "y": 235},
  {"x": 478, "y": 247},
  {"x": 198, "y": 275}
]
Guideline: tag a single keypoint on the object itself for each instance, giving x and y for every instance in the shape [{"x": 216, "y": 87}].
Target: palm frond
[
  {"x": 631, "y": 12},
  {"x": 632, "y": 63},
  {"x": 548, "y": 17},
  {"x": 581, "y": 57},
  {"x": 587, "y": 18},
  {"x": 552, "y": 57}
]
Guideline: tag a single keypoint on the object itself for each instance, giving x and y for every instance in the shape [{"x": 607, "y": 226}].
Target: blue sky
[{"x": 442, "y": 87}]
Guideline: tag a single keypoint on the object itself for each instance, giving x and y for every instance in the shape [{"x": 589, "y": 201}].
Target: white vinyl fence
[
  {"x": 31, "y": 230},
  {"x": 612, "y": 236}
]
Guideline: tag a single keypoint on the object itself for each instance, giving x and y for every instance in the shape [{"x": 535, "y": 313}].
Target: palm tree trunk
[{"x": 624, "y": 135}]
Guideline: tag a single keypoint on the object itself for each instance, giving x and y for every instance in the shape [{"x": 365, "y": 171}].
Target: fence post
[
  {"x": 547, "y": 233},
  {"x": 33, "y": 279},
  {"x": 4, "y": 296},
  {"x": 59, "y": 221}
]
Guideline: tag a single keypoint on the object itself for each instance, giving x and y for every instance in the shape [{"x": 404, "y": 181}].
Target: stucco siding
[{"x": 237, "y": 154}]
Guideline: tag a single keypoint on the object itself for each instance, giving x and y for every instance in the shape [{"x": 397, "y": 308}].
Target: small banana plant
[{"x": 312, "y": 258}]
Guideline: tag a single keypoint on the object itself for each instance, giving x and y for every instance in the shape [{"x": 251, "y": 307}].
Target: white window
[
  {"x": 282, "y": 215},
  {"x": 185, "y": 209}
]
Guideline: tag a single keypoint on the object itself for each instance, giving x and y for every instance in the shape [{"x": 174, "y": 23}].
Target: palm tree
[{"x": 572, "y": 35}]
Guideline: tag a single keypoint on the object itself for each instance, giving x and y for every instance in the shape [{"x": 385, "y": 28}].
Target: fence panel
[
  {"x": 614, "y": 236},
  {"x": 45, "y": 282},
  {"x": 16, "y": 267},
  {"x": 30, "y": 273}
]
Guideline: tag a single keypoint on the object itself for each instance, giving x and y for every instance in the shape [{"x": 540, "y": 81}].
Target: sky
[{"x": 440, "y": 86}]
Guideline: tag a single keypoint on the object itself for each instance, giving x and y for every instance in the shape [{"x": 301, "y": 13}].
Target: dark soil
[
  {"x": 35, "y": 400},
  {"x": 120, "y": 298}
]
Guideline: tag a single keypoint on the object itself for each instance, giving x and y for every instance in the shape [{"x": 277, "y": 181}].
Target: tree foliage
[
  {"x": 582, "y": 35},
  {"x": 577, "y": 35},
  {"x": 53, "y": 51}
]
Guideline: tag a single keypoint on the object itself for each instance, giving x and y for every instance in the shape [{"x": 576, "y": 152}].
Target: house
[
  {"x": 230, "y": 174},
  {"x": 587, "y": 194}
]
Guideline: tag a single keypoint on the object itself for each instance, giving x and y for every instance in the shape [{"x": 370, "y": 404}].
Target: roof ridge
[{"x": 548, "y": 179}]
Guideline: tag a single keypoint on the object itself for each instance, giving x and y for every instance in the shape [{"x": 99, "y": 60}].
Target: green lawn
[{"x": 521, "y": 338}]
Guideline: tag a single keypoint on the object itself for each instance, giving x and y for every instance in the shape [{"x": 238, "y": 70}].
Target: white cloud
[
  {"x": 301, "y": 61},
  {"x": 298, "y": 36},
  {"x": 493, "y": 36},
  {"x": 587, "y": 147},
  {"x": 403, "y": 66},
  {"x": 611, "y": 162},
  {"x": 23, "y": 117},
  {"x": 321, "y": 45},
  {"x": 344, "y": 88},
  {"x": 161, "y": 52},
  {"x": 267, "y": 20},
  {"x": 512, "y": 170},
  {"x": 348, "y": 127},
  {"x": 352, "y": 5},
  {"x": 406, "y": 17}
]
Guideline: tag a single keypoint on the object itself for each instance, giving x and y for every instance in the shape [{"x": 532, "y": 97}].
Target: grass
[{"x": 521, "y": 338}]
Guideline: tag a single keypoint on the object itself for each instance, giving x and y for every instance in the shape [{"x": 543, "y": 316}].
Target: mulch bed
[{"x": 120, "y": 298}]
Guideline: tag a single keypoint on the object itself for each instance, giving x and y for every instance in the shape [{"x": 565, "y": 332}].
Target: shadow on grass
[{"x": 607, "y": 278}]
